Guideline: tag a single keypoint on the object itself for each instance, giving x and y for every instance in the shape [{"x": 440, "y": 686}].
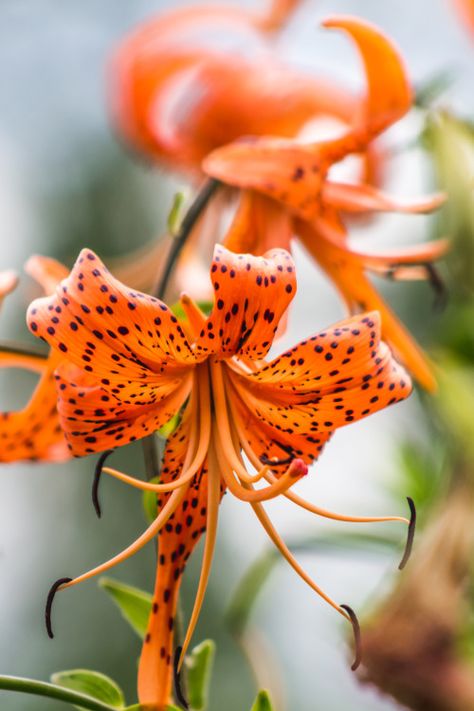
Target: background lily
[
  {"x": 295, "y": 176},
  {"x": 131, "y": 366}
]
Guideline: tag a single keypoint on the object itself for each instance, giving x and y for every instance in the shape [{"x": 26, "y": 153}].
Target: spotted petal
[
  {"x": 251, "y": 295},
  {"x": 129, "y": 342},
  {"x": 336, "y": 377}
]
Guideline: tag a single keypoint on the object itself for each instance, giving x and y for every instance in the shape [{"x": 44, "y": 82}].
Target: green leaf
[
  {"x": 52, "y": 691},
  {"x": 262, "y": 702},
  {"x": 93, "y": 684},
  {"x": 133, "y": 603},
  {"x": 199, "y": 667}
]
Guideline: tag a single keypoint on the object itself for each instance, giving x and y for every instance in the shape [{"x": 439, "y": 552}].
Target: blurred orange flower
[{"x": 300, "y": 197}]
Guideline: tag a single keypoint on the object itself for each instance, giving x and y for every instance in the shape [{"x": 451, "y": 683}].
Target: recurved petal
[
  {"x": 131, "y": 343},
  {"x": 251, "y": 295},
  {"x": 366, "y": 198},
  {"x": 176, "y": 543},
  {"x": 270, "y": 441},
  {"x": 286, "y": 170},
  {"x": 389, "y": 95},
  {"x": 34, "y": 433},
  {"x": 339, "y": 376},
  {"x": 46, "y": 271}
]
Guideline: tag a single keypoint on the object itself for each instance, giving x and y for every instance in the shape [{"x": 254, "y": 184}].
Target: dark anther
[
  {"x": 274, "y": 462},
  {"x": 357, "y": 636},
  {"x": 279, "y": 462},
  {"x": 177, "y": 680},
  {"x": 95, "y": 484},
  {"x": 411, "y": 534},
  {"x": 438, "y": 286},
  {"x": 433, "y": 276},
  {"x": 49, "y": 603}
]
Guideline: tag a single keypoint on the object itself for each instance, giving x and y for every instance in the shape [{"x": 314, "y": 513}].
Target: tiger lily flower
[
  {"x": 175, "y": 97},
  {"x": 287, "y": 182},
  {"x": 33, "y": 433},
  {"x": 131, "y": 366}
]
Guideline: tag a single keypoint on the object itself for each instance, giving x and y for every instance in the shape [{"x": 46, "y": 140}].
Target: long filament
[{"x": 285, "y": 552}]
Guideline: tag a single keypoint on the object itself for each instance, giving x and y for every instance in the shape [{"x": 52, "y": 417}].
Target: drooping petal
[
  {"x": 250, "y": 296},
  {"x": 366, "y": 198},
  {"x": 34, "y": 433},
  {"x": 129, "y": 342},
  {"x": 175, "y": 544},
  {"x": 346, "y": 270},
  {"x": 327, "y": 381}
]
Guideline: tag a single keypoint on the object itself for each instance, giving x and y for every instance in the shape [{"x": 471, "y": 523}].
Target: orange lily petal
[
  {"x": 389, "y": 95},
  {"x": 46, "y": 272},
  {"x": 94, "y": 419},
  {"x": 129, "y": 341},
  {"x": 346, "y": 270},
  {"x": 327, "y": 381},
  {"x": 366, "y": 198},
  {"x": 34, "y": 433},
  {"x": 250, "y": 296}
]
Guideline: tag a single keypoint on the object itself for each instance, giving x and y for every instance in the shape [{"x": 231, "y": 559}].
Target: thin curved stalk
[{"x": 52, "y": 691}]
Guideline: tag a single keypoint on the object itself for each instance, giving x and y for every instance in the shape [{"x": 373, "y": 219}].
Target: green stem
[
  {"x": 42, "y": 688},
  {"x": 187, "y": 225}
]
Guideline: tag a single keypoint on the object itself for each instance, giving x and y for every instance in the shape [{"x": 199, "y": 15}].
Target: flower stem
[
  {"x": 192, "y": 215},
  {"x": 52, "y": 691}
]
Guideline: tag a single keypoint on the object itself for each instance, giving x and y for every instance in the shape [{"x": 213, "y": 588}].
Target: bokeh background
[{"x": 66, "y": 182}]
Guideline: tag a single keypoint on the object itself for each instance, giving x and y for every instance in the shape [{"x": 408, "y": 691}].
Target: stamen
[
  {"x": 228, "y": 450},
  {"x": 411, "y": 534},
  {"x": 49, "y": 603},
  {"x": 180, "y": 697},
  {"x": 357, "y": 636},
  {"x": 242, "y": 491},
  {"x": 283, "y": 548},
  {"x": 95, "y": 484}
]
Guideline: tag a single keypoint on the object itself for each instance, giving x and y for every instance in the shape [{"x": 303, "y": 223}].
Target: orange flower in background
[
  {"x": 177, "y": 93},
  {"x": 131, "y": 366},
  {"x": 286, "y": 182},
  {"x": 33, "y": 433},
  {"x": 465, "y": 9}
]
